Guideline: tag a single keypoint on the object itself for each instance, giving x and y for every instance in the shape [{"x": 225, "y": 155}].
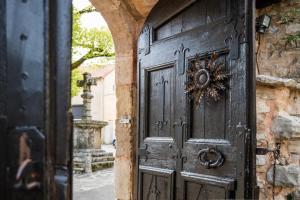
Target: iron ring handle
[{"x": 208, "y": 164}]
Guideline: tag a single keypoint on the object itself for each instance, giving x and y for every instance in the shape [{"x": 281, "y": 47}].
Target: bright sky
[{"x": 90, "y": 20}]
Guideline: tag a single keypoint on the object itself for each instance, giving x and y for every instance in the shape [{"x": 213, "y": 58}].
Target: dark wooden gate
[
  {"x": 188, "y": 151},
  {"x": 35, "y": 128}
]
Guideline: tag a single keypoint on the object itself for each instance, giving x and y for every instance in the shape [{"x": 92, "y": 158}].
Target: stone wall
[{"x": 278, "y": 101}]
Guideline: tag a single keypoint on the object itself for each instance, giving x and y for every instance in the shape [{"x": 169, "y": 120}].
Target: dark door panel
[
  {"x": 207, "y": 187},
  {"x": 35, "y": 124},
  {"x": 157, "y": 183},
  {"x": 206, "y": 145}
]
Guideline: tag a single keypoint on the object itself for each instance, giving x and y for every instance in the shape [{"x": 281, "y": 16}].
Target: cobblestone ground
[{"x": 95, "y": 186}]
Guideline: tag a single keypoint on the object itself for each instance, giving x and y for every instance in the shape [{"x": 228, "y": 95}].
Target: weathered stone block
[
  {"x": 286, "y": 126},
  {"x": 261, "y": 160},
  {"x": 294, "y": 146},
  {"x": 296, "y": 195},
  {"x": 260, "y": 118},
  {"x": 87, "y": 134},
  {"x": 292, "y": 28},
  {"x": 262, "y": 107},
  {"x": 285, "y": 176},
  {"x": 261, "y": 139}
]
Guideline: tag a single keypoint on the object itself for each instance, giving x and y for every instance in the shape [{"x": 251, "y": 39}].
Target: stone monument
[{"x": 88, "y": 156}]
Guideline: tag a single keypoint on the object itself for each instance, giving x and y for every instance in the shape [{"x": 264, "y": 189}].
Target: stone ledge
[
  {"x": 266, "y": 80},
  {"x": 89, "y": 124}
]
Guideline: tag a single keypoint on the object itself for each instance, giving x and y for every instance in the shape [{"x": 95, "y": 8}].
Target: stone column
[{"x": 87, "y": 96}]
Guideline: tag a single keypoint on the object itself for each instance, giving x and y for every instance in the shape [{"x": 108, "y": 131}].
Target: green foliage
[
  {"x": 292, "y": 40},
  {"x": 88, "y": 44},
  {"x": 76, "y": 75},
  {"x": 289, "y": 16}
]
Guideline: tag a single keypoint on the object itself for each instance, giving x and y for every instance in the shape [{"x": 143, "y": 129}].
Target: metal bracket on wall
[
  {"x": 125, "y": 120},
  {"x": 264, "y": 151}
]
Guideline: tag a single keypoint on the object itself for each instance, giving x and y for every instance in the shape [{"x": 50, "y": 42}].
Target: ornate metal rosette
[{"x": 206, "y": 78}]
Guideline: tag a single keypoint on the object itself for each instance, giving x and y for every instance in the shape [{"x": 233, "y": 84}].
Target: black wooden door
[
  {"x": 35, "y": 128},
  {"x": 188, "y": 151}
]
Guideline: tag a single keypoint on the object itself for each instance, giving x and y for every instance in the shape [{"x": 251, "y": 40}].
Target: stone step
[
  {"x": 80, "y": 167},
  {"x": 80, "y": 164},
  {"x": 102, "y": 154},
  {"x": 85, "y": 160},
  {"x": 87, "y": 151},
  {"x": 102, "y": 165},
  {"x": 94, "y": 159},
  {"x": 94, "y": 154},
  {"x": 102, "y": 162},
  {"x": 78, "y": 170},
  {"x": 79, "y": 159},
  {"x": 106, "y": 158}
]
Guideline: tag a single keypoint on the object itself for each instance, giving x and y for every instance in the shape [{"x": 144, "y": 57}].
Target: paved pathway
[{"x": 95, "y": 186}]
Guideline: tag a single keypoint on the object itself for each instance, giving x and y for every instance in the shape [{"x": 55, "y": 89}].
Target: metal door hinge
[{"x": 264, "y": 151}]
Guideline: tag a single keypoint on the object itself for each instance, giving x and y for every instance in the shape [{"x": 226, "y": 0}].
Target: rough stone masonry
[{"x": 278, "y": 101}]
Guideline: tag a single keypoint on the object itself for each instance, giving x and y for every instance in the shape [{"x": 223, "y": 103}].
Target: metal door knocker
[{"x": 207, "y": 163}]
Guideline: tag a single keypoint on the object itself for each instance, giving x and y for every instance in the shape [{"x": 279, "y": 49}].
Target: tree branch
[
  {"x": 78, "y": 62},
  {"x": 90, "y": 55},
  {"x": 88, "y": 9}
]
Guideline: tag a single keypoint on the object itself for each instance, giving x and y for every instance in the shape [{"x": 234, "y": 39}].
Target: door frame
[{"x": 59, "y": 142}]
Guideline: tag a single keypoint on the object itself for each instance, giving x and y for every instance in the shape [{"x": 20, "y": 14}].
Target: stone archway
[{"x": 125, "y": 19}]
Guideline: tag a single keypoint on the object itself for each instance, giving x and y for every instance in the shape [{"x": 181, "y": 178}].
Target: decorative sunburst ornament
[{"x": 206, "y": 79}]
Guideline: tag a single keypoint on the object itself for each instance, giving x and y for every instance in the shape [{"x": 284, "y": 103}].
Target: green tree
[
  {"x": 76, "y": 75},
  {"x": 88, "y": 44}
]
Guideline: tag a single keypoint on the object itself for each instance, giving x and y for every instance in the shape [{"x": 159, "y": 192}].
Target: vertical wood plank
[{"x": 3, "y": 119}]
